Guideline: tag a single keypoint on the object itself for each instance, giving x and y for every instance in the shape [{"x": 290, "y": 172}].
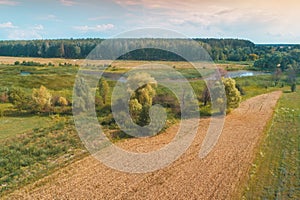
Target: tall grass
[
  {"x": 275, "y": 174},
  {"x": 34, "y": 154}
]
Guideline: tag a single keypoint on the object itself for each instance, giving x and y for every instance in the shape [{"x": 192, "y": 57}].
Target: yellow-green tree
[
  {"x": 103, "y": 90},
  {"x": 233, "y": 95},
  {"x": 41, "y": 99},
  {"x": 135, "y": 109},
  {"x": 141, "y": 87}
]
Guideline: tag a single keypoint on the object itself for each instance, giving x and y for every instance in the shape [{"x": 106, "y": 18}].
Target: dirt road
[{"x": 214, "y": 177}]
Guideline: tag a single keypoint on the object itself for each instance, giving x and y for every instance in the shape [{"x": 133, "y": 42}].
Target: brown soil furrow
[{"x": 213, "y": 177}]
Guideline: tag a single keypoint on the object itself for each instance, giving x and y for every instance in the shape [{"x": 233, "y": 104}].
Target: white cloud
[
  {"x": 67, "y": 2},
  {"x": 97, "y": 28},
  {"x": 51, "y": 17},
  {"x": 38, "y": 27},
  {"x": 24, "y": 35},
  {"x": 128, "y": 2},
  {"x": 7, "y": 25},
  {"x": 158, "y": 4},
  {"x": 218, "y": 18},
  {"x": 8, "y": 2},
  {"x": 28, "y": 33},
  {"x": 98, "y": 18}
]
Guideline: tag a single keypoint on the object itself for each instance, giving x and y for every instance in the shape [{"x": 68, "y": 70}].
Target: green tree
[
  {"x": 294, "y": 87},
  {"x": 291, "y": 77},
  {"x": 83, "y": 99},
  {"x": 277, "y": 75},
  {"x": 214, "y": 89},
  {"x": 18, "y": 98}
]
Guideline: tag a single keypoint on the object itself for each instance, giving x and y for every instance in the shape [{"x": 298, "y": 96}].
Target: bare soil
[{"x": 217, "y": 176}]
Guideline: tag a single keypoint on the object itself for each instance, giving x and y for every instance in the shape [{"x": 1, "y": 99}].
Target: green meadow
[{"x": 275, "y": 173}]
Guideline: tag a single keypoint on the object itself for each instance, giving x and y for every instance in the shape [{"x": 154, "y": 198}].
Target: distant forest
[{"x": 266, "y": 57}]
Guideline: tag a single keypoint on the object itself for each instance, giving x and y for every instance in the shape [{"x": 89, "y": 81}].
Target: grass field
[
  {"x": 11, "y": 126},
  {"x": 36, "y": 153},
  {"x": 55, "y": 61},
  {"x": 275, "y": 174},
  {"x": 256, "y": 85},
  {"x": 121, "y": 63}
]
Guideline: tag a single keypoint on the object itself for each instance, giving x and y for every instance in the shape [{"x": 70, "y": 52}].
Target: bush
[
  {"x": 50, "y": 64},
  {"x": 62, "y": 101},
  {"x": 4, "y": 97},
  {"x": 31, "y": 63}
]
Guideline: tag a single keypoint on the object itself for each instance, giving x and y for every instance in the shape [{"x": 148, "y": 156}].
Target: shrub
[
  {"x": 50, "y": 64},
  {"x": 62, "y": 101},
  {"x": 31, "y": 63}
]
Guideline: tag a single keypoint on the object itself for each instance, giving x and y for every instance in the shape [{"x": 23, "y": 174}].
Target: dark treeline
[
  {"x": 64, "y": 48},
  {"x": 219, "y": 49},
  {"x": 265, "y": 57}
]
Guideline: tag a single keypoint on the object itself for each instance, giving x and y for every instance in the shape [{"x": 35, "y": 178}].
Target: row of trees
[
  {"x": 142, "y": 90},
  {"x": 48, "y": 48},
  {"x": 266, "y": 57},
  {"x": 229, "y": 49},
  {"x": 232, "y": 94},
  {"x": 219, "y": 49},
  {"x": 40, "y": 100},
  {"x": 283, "y": 60}
]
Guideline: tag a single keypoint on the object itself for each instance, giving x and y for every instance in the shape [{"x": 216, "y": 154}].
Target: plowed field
[{"x": 214, "y": 177}]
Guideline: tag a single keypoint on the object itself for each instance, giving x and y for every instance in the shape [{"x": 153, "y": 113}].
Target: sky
[{"x": 261, "y": 21}]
